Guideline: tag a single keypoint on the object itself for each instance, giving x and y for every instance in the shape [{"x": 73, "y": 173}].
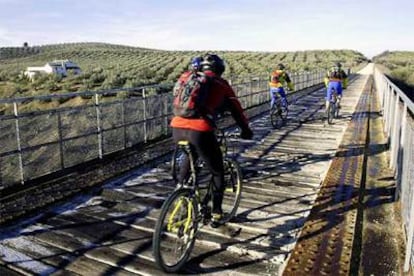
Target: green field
[
  {"x": 399, "y": 65},
  {"x": 107, "y": 66}
]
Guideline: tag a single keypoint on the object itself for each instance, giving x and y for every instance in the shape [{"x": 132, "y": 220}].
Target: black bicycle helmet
[
  {"x": 280, "y": 66},
  {"x": 214, "y": 63},
  {"x": 338, "y": 64}
]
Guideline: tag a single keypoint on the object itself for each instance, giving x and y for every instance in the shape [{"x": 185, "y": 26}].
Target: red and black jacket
[{"x": 220, "y": 94}]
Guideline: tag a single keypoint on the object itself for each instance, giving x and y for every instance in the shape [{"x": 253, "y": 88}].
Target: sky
[{"x": 367, "y": 26}]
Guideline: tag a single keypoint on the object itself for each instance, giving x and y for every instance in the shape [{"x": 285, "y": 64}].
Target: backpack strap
[{"x": 209, "y": 81}]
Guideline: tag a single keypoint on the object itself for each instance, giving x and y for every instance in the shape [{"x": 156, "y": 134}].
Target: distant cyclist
[
  {"x": 279, "y": 78},
  {"x": 199, "y": 129},
  {"x": 335, "y": 80}
]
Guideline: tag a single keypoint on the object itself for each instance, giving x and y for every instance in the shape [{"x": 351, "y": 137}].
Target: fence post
[
  {"x": 144, "y": 97},
  {"x": 384, "y": 93},
  {"x": 19, "y": 146},
  {"x": 314, "y": 78},
  {"x": 165, "y": 113},
  {"x": 123, "y": 120},
  {"x": 62, "y": 162},
  {"x": 395, "y": 137},
  {"x": 386, "y": 106},
  {"x": 390, "y": 116},
  {"x": 98, "y": 124},
  {"x": 410, "y": 233},
  {"x": 251, "y": 91},
  {"x": 404, "y": 146}
]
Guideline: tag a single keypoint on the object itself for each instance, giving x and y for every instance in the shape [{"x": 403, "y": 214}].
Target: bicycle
[
  {"x": 333, "y": 107},
  {"x": 187, "y": 209},
  {"x": 279, "y": 112}
]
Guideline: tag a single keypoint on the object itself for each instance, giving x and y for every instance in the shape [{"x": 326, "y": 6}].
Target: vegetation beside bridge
[
  {"x": 399, "y": 66},
  {"x": 108, "y": 66}
]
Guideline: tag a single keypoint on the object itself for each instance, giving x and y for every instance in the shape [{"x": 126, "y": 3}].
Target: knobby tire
[
  {"x": 233, "y": 189},
  {"x": 161, "y": 245}
]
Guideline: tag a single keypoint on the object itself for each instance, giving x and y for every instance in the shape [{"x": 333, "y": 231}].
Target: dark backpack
[
  {"x": 335, "y": 74},
  {"x": 190, "y": 95}
]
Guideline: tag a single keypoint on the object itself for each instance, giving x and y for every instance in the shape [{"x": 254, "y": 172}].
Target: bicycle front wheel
[
  {"x": 175, "y": 230},
  {"x": 285, "y": 112},
  {"x": 233, "y": 189},
  {"x": 337, "y": 110},
  {"x": 331, "y": 113}
]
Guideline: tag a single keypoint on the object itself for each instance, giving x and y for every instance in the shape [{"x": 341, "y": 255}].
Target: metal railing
[
  {"x": 96, "y": 123},
  {"x": 398, "y": 116}
]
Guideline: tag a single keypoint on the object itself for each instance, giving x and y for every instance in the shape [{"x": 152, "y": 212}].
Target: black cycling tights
[{"x": 205, "y": 145}]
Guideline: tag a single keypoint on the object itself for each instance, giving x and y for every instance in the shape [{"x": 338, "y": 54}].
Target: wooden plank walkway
[{"x": 110, "y": 233}]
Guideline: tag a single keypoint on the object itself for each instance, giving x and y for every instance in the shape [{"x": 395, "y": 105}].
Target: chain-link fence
[
  {"x": 398, "y": 114},
  {"x": 89, "y": 125}
]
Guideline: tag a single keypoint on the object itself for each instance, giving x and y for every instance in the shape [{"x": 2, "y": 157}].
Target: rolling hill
[{"x": 107, "y": 66}]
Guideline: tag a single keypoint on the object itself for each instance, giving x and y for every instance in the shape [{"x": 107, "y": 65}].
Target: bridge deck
[{"x": 110, "y": 233}]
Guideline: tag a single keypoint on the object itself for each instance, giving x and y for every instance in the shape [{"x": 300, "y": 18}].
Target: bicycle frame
[
  {"x": 279, "y": 112},
  {"x": 332, "y": 108},
  {"x": 187, "y": 209},
  {"x": 277, "y": 101},
  {"x": 191, "y": 182},
  {"x": 334, "y": 97}
]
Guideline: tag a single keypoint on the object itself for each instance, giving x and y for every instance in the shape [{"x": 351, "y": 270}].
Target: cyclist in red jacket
[{"x": 200, "y": 133}]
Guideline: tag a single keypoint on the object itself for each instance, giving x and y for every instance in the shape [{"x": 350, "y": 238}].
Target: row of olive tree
[{"x": 107, "y": 66}]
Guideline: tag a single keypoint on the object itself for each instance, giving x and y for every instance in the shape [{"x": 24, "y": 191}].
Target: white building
[{"x": 59, "y": 67}]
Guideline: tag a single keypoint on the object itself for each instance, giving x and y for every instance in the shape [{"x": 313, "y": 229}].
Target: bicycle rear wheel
[
  {"x": 175, "y": 230},
  {"x": 233, "y": 189},
  {"x": 276, "y": 118}
]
